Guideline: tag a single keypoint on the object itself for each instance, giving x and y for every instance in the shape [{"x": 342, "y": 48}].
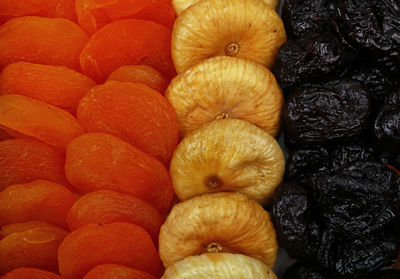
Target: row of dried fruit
[
  {"x": 339, "y": 211},
  {"x": 228, "y": 110},
  {"x": 63, "y": 136}
]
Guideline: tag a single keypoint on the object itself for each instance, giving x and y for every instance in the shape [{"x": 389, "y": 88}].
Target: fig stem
[
  {"x": 213, "y": 181},
  {"x": 223, "y": 115},
  {"x": 214, "y": 247},
  {"x": 232, "y": 49}
]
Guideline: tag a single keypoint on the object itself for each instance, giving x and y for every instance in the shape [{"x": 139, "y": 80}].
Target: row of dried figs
[
  {"x": 338, "y": 211},
  {"x": 228, "y": 106}
]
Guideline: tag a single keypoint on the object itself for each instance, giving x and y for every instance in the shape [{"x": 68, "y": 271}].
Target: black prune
[
  {"x": 344, "y": 155},
  {"x": 301, "y": 270},
  {"x": 307, "y": 16},
  {"x": 387, "y": 124},
  {"x": 357, "y": 199},
  {"x": 336, "y": 110},
  {"x": 310, "y": 58},
  {"x": 385, "y": 274}
]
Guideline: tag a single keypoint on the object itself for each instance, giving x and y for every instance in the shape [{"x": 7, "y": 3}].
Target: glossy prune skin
[
  {"x": 307, "y": 16},
  {"x": 344, "y": 155},
  {"x": 300, "y": 270},
  {"x": 332, "y": 111},
  {"x": 387, "y": 123},
  {"x": 304, "y": 162},
  {"x": 309, "y": 58}
]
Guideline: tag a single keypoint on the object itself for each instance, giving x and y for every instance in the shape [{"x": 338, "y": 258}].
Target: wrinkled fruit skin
[
  {"x": 30, "y": 273},
  {"x": 301, "y": 270},
  {"x": 114, "y": 271}
]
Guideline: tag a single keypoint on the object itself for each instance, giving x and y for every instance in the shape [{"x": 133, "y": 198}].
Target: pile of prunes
[{"x": 338, "y": 211}]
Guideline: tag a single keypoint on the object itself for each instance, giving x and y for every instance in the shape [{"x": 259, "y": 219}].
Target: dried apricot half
[
  {"x": 133, "y": 42},
  {"x": 52, "y": 41},
  {"x": 30, "y": 117},
  {"x": 214, "y": 223},
  {"x": 97, "y": 244},
  {"x": 219, "y": 266},
  {"x": 37, "y": 200},
  {"x": 133, "y": 112},
  {"x": 226, "y": 87},
  {"x": 30, "y": 273},
  {"x": 228, "y": 155},
  {"x": 55, "y": 85},
  {"x": 105, "y": 206},
  {"x": 115, "y": 271},
  {"x": 101, "y": 161}
]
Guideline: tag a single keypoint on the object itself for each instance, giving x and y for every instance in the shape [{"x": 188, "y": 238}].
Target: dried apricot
[
  {"x": 30, "y": 117},
  {"x": 32, "y": 244},
  {"x": 115, "y": 271},
  {"x": 93, "y": 14},
  {"x": 101, "y": 161},
  {"x": 48, "y": 8},
  {"x": 24, "y": 160},
  {"x": 30, "y": 273},
  {"x": 141, "y": 74},
  {"x": 37, "y": 200},
  {"x": 105, "y": 206},
  {"x": 133, "y": 42},
  {"x": 52, "y": 41},
  {"x": 96, "y": 244},
  {"x": 133, "y": 112},
  {"x": 55, "y": 85}
]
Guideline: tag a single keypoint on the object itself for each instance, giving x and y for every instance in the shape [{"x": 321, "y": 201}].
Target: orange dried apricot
[
  {"x": 33, "y": 244},
  {"x": 55, "y": 85},
  {"x": 94, "y": 14},
  {"x": 24, "y": 160},
  {"x": 48, "y": 8},
  {"x": 115, "y": 271},
  {"x": 97, "y": 244},
  {"x": 133, "y": 42},
  {"x": 30, "y": 117},
  {"x": 140, "y": 74},
  {"x": 37, "y": 200},
  {"x": 52, "y": 41},
  {"x": 31, "y": 273},
  {"x": 105, "y": 206},
  {"x": 101, "y": 161},
  {"x": 133, "y": 112}
]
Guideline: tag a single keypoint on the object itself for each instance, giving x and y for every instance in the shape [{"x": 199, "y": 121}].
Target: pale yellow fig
[
  {"x": 181, "y": 5},
  {"x": 240, "y": 28},
  {"x": 226, "y": 87},
  {"x": 219, "y": 266},
  {"x": 225, "y": 156},
  {"x": 218, "y": 223}
]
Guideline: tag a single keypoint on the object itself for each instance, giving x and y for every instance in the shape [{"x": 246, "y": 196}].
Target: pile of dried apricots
[{"x": 95, "y": 96}]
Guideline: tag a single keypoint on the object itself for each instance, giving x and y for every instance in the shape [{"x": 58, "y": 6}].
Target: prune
[
  {"x": 372, "y": 25},
  {"x": 357, "y": 199},
  {"x": 387, "y": 124},
  {"x": 343, "y": 155},
  {"x": 301, "y": 270},
  {"x": 305, "y": 16},
  {"x": 309, "y": 58},
  {"x": 335, "y": 110},
  {"x": 385, "y": 274},
  {"x": 304, "y": 162}
]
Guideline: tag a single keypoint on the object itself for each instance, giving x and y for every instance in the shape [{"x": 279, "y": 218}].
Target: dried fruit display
[
  {"x": 97, "y": 244},
  {"x": 105, "y": 206},
  {"x": 55, "y": 85},
  {"x": 214, "y": 89},
  {"x": 20, "y": 158},
  {"x": 221, "y": 222},
  {"x": 114, "y": 271},
  {"x": 94, "y": 14},
  {"x": 133, "y": 112},
  {"x": 134, "y": 42},
  {"x": 52, "y": 41},
  {"x": 227, "y": 155},
  {"x": 240, "y": 28},
  {"x": 101, "y": 161},
  {"x": 47, "y": 8},
  {"x": 33, "y": 118},
  {"x": 30, "y": 273},
  {"x": 31, "y": 244},
  {"x": 219, "y": 266},
  {"x": 301, "y": 270},
  {"x": 140, "y": 74},
  {"x": 37, "y": 200}
]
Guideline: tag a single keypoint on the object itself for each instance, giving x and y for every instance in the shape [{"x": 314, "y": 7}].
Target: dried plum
[
  {"x": 310, "y": 58},
  {"x": 301, "y": 270},
  {"x": 385, "y": 274},
  {"x": 336, "y": 110},
  {"x": 344, "y": 155}
]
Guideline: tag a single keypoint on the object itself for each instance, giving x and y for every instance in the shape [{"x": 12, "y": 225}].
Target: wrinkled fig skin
[
  {"x": 387, "y": 124},
  {"x": 307, "y": 16},
  {"x": 310, "y": 58},
  {"x": 337, "y": 110},
  {"x": 373, "y": 25},
  {"x": 300, "y": 270}
]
